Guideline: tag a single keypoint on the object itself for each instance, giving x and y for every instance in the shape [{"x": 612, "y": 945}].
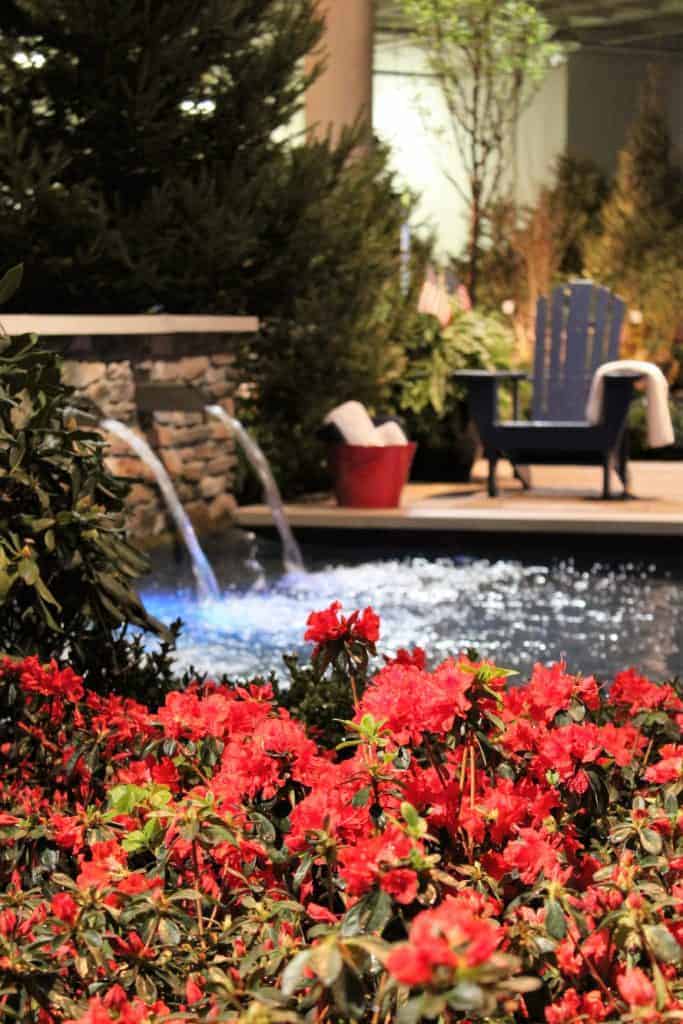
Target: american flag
[{"x": 434, "y": 300}]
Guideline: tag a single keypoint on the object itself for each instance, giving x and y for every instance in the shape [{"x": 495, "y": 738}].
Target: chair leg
[
  {"x": 493, "y": 486},
  {"x": 622, "y": 463},
  {"x": 523, "y": 474},
  {"x": 606, "y": 494}
]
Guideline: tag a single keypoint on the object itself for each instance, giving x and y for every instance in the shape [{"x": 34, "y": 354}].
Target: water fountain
[
  {"x": 207, "y": 585},
  {"x": 291, "y": 554}
]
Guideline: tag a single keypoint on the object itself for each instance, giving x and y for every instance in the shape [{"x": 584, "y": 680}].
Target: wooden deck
[{"x": 564, "y": 500}]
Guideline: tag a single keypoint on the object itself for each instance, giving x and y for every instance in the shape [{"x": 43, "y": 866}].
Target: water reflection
[{"x": 600, "y": 617}]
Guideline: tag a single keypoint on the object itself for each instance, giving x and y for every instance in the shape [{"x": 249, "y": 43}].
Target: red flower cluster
[
  {"x": 458, "y": 934},
  {"x": 209, "y": 860},
  {"x": 329, "y": 625}
]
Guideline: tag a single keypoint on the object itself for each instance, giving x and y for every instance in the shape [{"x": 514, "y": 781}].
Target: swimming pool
[{"x": 599, "y": 611}]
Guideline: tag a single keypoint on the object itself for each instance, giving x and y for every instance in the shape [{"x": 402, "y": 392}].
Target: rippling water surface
[{"x": 600, "y": 614}]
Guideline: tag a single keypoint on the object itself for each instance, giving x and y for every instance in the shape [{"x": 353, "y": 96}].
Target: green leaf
[
  {"x": 145, "y": 988},
  {"x": 28, "y": 570},
  {"x": 466, "y": 996},
  {"x": 412, "y": 1011},
  {"x": 10, "y": 282},
  {"x": 650, "y": 840},
  {"x": 361, "y": 797},
  {"x": 555, "y": 922},
  {"x": 326, "y": 960},
  {"x": 134, "y": 841},
  {"x": 410, "y": 815},
  {"x": 293, "y": 974},
  {"x": 6, "y": 581},
  {"x": 169, "y": 932},
  {"x": 349, "y": 995},
  {"x": 662, "y": 943},
  {"x": 379, "y": 905}
]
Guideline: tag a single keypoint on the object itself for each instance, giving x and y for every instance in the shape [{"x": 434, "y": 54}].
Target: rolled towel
[
  {"x": 353, "y": 422},
  {"x": 390, "y": 433},
  {"x": 660, "y": 431}
]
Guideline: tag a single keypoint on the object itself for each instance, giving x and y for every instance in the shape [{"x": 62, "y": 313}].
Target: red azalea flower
[
  {"x": 457, "y": 934},
  {"x": 636, "y": 988},
  {"x": 328, "y": 625},
  {"x": 64, "y": 907},
  {"x": 401, "y": 883},
  {"x": 319, "y": 913},
  {"x": 670, "y": 768}
]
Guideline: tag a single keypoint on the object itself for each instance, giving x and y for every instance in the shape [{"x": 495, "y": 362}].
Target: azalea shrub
[{"x": 475, "y": 849}]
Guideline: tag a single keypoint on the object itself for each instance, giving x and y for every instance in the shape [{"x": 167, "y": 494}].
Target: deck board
[{"x": 564, "y": 500}]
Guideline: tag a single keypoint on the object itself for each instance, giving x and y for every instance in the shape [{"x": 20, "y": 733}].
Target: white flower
[
  {"x": 635, "y": 317},
  {"x": 508, "y": 307}
]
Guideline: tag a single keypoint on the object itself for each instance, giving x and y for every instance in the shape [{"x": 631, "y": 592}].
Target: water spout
[
  {"x": 207, "y": 585},
  {"x": 291, "y": 554}
]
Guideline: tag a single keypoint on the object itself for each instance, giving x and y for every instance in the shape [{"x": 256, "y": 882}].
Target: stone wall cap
[{"x": 68, "y": 325}]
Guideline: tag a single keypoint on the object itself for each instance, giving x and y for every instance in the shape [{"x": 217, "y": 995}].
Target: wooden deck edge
[{"x": 482, "y": 521}]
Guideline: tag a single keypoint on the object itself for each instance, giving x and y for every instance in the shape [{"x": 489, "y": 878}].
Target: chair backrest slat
[
  {"x": 585, "y": 329},
  {"x": 618, "y": 313},
  {"x": 579, "y": 331},
  {"x": 540, "y": 367},
  {"x": 601, "y": 317},
  {"x": 558, "y": 339}
]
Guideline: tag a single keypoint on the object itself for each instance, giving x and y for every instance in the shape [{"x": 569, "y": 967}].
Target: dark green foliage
[
  {"x": 576, "y": 200},
  {"x": 67, "y": 572},
  {"x": 426, "y": 396},
  {"x": 338, "y": 333},
  {"x": 323, "y": 703},
  {"x": 105, "y": 171},
  {"x": 637, "y": 422}
]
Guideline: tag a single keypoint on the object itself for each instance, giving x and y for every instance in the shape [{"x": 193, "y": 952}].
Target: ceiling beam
[
  {"x": 630, "y": 31},
  {"x": 602, "y": 9}
]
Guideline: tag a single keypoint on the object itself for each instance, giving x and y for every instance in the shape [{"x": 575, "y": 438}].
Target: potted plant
[{"x": 428, "y": 399}]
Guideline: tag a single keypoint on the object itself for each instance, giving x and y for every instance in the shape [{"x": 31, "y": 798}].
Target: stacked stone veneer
[{"x": 198, "y": 454}]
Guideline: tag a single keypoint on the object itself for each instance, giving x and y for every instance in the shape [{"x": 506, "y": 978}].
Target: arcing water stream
[
  {"x": 207, "y": 585},
  {"x": 291, "y": 554}
]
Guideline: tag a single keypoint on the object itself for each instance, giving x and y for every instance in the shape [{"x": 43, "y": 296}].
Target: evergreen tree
[
  {"x": 646, "y": 199},
  {"x": 638, "y": 250},
  {"x": 131, "y": 128}
]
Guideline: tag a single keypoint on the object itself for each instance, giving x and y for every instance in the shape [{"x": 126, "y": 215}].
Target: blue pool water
[{"x": 601, "y": 612}]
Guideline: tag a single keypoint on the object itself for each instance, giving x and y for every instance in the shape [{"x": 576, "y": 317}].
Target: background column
[{"x": 343, "y": 92}]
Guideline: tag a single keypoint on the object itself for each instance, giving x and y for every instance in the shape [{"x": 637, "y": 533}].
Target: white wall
[{"x": 410, "y": 115}]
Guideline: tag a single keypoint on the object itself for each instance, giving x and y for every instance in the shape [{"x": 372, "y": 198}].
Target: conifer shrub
[
  {"x": 67, "y": 570},
  {"x": 637, "y": 252}
]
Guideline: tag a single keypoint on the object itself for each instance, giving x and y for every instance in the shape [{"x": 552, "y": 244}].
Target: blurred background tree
[
  {"x": 637, "y": 249},
  {"x": 489, "y": 58}
]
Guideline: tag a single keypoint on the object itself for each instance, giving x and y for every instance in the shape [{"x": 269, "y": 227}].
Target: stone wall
[{"x": 198, "y": 454}]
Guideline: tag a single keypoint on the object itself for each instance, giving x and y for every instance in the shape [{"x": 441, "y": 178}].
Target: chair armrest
[
  {"x": 482, "y": 393},
  {"x": 501, "y": 375}
]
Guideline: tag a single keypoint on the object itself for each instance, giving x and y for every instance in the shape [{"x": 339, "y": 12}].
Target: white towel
[
  {"x": 353, "y": 421},
  {"x": 390, "y": 433},
  {"x": 660, "y": 431}
]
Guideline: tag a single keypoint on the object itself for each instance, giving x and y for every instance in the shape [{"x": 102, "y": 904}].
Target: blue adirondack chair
[{"x": 577, "y": 330}]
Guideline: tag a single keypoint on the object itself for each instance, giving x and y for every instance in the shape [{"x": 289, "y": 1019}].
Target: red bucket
[{"x": 370, "y": 477}]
